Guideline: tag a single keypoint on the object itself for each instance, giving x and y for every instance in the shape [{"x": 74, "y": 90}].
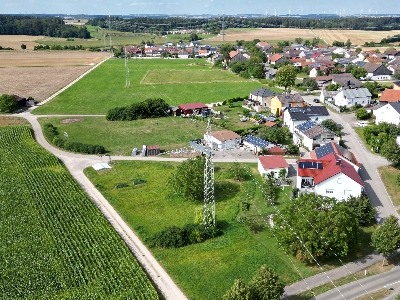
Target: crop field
[
  {"x": 55, "y": 243},
  {"x": 120, "y": 137},
  {"x": 104, "y": 88},
  {"x": 15, "y": 41},
  {"x": 273, "y": 35}
]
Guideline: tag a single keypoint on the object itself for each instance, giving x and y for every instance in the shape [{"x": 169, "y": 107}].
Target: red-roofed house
[
  {"x": 329, "y": 176},
  {"x": 272, "y": 163},
  {"x": 276, "y": 59},
  {"x": 390, "y": 95},
  {"x": 189, "y": 108}
]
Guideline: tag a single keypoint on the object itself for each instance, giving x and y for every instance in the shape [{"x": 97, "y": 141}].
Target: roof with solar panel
[
  {"x": 306, "y": 126},
  {"x": 333, "y": 147},
  {"x": 304, "y": 113},
  {"x": 258, "y": 142}
]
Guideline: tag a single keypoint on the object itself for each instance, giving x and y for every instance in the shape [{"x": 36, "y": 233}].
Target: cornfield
[{"x": 54, "y": 242}]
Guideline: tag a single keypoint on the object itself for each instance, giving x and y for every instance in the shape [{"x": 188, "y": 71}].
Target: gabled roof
[
  {"x": 311, "y": 129},
  {"x": 326, "y": 167},
  {"x": 357, "y": 93},
  {"x": 263, "y": 92},
  {"x": 397, "y": 83},
  {"x": 225, "y": 135},
  {"x": 195, "y": 105},
  {"x": 304, "y": 113},
  {"x": 257, "y": 141},
  {"x": 395, "y": 105},
  {"x": 390, "y": 95},
  {"x": 273, "y": 162},
  {"x": 335, "y": 148},
  {"x": 290, "y": 98},
  {"x": 275, "y": 57},
  {"x": 346, "y": 80}
]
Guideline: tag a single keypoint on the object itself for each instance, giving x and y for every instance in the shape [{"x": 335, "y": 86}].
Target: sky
[{"x": 196, "y": 7}]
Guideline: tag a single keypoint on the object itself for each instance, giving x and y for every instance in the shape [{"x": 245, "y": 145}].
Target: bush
[
  {"x": 175, "y": 237},
  {"x": 149, "y": 108}
]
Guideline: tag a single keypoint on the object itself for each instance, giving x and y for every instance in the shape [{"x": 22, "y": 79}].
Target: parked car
[
  {"x": 316, "y": 100},
  {"x": 362, "y": 123}
]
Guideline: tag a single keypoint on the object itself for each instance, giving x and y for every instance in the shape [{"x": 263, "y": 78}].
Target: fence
[{"x": 331, "y": 105}]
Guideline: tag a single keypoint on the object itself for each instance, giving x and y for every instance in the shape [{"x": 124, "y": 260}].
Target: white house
[
  {"x": 223, "y": 140},
  {"x": 329, "y": 176},
  {"x": 351, "y": 97},
  {"x": 389, "y": 113},
  {"x": 272, "y": 163},
  {"x": 256, "y": 144},
  {"x": 310, "y": 135},
  {"x": 293, "y": 116}
]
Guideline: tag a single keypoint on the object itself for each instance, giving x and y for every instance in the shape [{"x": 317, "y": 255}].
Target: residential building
[
  {"x": 389, "y": 113},
  {"x": 294, "y": 116},
  {"x": 340, "y": 151},
  {"x": 351, "y": 97},
  {"x": 256, "y": 144},
  {"x": 272, "y": 164},
  {"x": 279, "y": 102},
  {"x": 377, "y": 71},
  {"x": 260, "y": 99},
  {"x": 346, "y": 80},
  {"x": 223, "y": 140},
  {"x": 329, "y": 176},
  {"x": 310, "y": 135},
  {"x": 390, "y": 95}
]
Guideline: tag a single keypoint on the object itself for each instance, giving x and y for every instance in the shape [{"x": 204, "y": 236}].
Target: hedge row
[
  {"x": 150, "y": 108},
  {"x": 52, "y": 134},
  {"x": 175, "y": 237}
]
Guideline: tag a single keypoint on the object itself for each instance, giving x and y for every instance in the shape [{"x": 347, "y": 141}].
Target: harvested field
[
  {"x": 40, "y": 74},
  {"x": 7, "y": 121},
  {"x": 50, "y": 58},
  {"x": 15, "y": 41},
  {"x": 38, "y": 82},
  {"x": 357, "y": 37}
]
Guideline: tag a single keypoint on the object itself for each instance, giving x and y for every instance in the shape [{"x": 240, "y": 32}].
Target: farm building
[
  {"x": 190, "y": 108},
  {"x": 153, "y": 150},
  {"x": 223, "y": 140},
  {"x": 272, "y": 163}
]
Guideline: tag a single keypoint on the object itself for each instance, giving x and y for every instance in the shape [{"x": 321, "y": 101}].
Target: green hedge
[{"x": 150, "y": 108}]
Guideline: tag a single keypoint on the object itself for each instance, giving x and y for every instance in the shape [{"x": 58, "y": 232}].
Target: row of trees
[
  {"x": 149, "y": 108},
  {"x": 55, "y": 27},
  {"x": 214, "y": 25}
]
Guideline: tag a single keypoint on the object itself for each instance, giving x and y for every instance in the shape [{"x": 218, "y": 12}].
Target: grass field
[
  {"x": 389, "y": 175},
  {"x": 152, "y": 206},
  {"x": 119, "y": 137},
  {"x": 55, "y": 243},
  {"x": 104, "y": 88}
]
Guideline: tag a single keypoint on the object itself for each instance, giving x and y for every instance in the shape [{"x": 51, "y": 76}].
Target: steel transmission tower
[
  {"x": 127, "y": 79},
  {"x": 209, "y": 199}
]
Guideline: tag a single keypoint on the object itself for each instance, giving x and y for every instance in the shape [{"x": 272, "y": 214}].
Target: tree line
[
  {"x": 214, "y": 25},
  {"x": 28, "y": 25}
]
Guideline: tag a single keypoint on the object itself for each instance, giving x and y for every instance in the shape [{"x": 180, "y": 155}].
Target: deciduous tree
[
  {"x": 8, "y": 103},
  {"x": 313, "y": 226},
  {"x": 286, "y": 76},
  {"x": 386, "y": 238}
]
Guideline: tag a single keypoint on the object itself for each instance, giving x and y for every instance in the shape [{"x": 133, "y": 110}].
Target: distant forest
[
  {"x": 162, "y": 25},
  {"x": 28, "y": 25}
]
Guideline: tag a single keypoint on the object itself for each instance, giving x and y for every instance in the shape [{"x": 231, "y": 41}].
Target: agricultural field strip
[{"x": 92, "y": 258}]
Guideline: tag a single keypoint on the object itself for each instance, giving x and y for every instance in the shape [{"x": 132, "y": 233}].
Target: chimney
[{"x": 338, "y": 162}]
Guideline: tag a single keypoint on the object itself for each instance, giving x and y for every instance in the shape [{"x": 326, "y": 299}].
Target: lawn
[
  {"x": 388, "y": 175},
  {"x": 120, "y": 137},
  {"x": 104, "y": 87},
  {"x": 238, "y": 253},
  {"x": 152, "y": 206}
]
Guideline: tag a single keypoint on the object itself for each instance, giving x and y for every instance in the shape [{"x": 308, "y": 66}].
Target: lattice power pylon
[
  {"x": 127, "y": 79},
  {"x": 209, "y": 199}
]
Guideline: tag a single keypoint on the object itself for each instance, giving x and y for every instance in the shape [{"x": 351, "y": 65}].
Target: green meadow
[
  {"x": 120, "y": 137},
  {"x": 206, "y": 270},
  {"x": 104, "y": 87}
]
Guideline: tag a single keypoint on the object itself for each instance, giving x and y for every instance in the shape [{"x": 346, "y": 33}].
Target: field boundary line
[
  {"x": 144, "y": 77},
  {"x": 73, "y": 82}
]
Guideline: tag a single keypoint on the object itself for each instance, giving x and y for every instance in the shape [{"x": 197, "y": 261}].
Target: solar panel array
[
  {"x": 324, "y": 150},
  {"x": 256, "y": 141},
  {"x": 310, "y": 165},
  {"x": 306, "y": 125}
]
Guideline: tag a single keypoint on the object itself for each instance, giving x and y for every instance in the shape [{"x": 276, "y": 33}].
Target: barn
[{"x": 198, "y": 107}]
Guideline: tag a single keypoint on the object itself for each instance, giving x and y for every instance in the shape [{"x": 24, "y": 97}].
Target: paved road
[{"x": 390, "y": 279}]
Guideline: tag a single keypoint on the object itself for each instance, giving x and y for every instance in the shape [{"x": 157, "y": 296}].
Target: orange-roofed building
[{"x": 390, "y": 95}]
